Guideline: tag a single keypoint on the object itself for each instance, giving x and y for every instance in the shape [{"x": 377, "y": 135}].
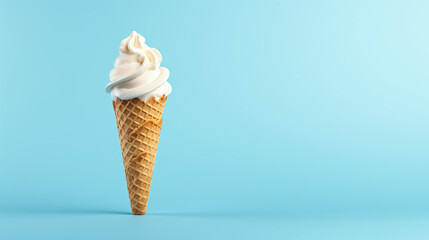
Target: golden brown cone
[{"x": 139, "y": 126}]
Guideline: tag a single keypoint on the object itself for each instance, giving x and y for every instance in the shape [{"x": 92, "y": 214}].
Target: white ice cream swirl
[{"x": 137, "y": 71}]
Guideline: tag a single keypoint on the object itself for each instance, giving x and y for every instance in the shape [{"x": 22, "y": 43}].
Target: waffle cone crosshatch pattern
[{"x": 139, "y": 127}]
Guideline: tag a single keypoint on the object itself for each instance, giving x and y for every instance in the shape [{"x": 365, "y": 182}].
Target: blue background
[{"x": 288, "y": 119}]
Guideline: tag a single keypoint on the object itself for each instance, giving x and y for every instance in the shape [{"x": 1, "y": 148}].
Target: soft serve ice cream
[
  {"x": 139, "y": 89},
  {"x": 137, "y": 72}
]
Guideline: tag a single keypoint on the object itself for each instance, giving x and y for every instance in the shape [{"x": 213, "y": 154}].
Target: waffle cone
[{"x": 139, "y": 126}]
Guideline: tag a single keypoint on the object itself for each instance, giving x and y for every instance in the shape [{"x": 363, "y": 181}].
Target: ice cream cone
[
  {"x": 139, "y": 126},
  {"x": 139, "y": 88}
]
